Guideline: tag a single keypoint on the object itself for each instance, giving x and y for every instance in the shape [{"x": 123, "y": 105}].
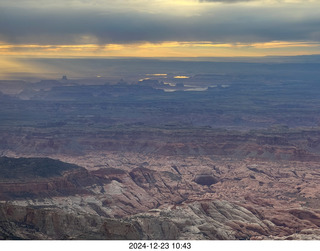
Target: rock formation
[{"x": 194, "y": 198}]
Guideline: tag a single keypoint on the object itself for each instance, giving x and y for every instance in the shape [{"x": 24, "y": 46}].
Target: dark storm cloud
[
  {"x": 64, "y": 26},
  {"x": 241, "y": 24}
]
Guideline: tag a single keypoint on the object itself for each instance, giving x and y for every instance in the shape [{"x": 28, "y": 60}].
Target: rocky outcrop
[
  {"x": 203, "y": 220},
  {"x": 139, "y": 190},
  {"x": 17, "y": 222},
  {"x": 158, "y": 197},
  {"x": 199, "y": 220}
]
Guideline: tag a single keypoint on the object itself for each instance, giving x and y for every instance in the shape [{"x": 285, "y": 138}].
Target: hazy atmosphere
[{"x": 160, "y": 120}]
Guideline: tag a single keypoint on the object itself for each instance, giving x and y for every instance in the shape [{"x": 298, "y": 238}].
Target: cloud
[{"x": 92, "y": 22}]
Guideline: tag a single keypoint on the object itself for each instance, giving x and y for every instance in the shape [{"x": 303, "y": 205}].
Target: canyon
[
  {"x": 238, "y": 160},
  {"x": 251, "y": 187}
]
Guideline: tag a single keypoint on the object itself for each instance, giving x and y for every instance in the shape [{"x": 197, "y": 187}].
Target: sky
[{"x": 158, "y": 28}]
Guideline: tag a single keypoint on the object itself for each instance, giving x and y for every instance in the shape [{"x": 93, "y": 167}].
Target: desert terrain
[{"x": 159, "y": 158}]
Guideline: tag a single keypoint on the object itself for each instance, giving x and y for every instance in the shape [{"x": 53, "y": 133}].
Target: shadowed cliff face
[
  {"x": 23, "y": 178},
  {"x": 32, "y": 168}
]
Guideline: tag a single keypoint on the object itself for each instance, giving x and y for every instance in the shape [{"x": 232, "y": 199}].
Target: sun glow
[
  {"x": 10, "y": 65},
  {"x": 163, "y": 49},
  {"x": 181, "y": 77}
]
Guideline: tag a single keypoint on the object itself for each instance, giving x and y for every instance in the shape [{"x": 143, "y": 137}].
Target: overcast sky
[{"x": 153, "y": 27}]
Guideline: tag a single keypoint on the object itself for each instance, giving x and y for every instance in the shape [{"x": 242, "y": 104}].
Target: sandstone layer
[{"x": 166, "y": 197}]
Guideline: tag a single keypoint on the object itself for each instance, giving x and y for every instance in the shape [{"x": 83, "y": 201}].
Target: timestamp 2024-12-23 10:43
[{"x": 160, "y": 245}]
